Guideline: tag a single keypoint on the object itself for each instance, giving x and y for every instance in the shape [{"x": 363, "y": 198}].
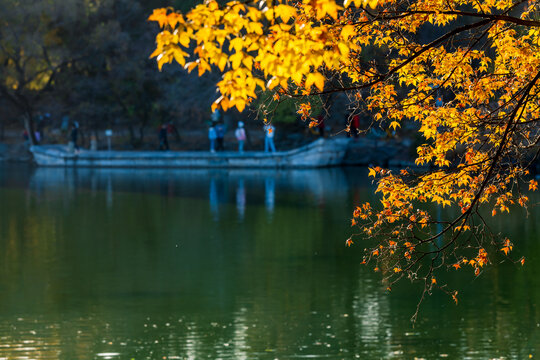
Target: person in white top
[{"x": 240, "y": 134}]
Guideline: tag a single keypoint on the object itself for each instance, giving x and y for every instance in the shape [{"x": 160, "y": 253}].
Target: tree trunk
[
  {"x": 132, "y": 138},
  {"x": 141, "y": 133},
  {"x": 144, "y": 121}
]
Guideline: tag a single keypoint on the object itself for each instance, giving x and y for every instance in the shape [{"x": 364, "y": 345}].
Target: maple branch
[
  {"x": 392, "y": 71},
  {"x": 491, "y": 17},
  {"x": 464, "y": 216},
  {"x": 492, "y": 166}
]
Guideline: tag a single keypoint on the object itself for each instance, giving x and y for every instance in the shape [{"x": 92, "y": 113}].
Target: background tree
[
  {"x": 466, "y": 72},
  {"x": 115, "y": 84},
  {"x": 31, "y": 53},
  {"x": 89, "y": 60}
]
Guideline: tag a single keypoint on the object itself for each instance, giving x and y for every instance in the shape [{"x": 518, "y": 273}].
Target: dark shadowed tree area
[{"x": 87, "y": 61}]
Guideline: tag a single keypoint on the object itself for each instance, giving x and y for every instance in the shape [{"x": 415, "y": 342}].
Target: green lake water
[{"x": 162, "y": 264}]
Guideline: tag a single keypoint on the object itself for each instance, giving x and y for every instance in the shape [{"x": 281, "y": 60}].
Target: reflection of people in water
[
  {"x": 109, "y": 192},
  {"x": 241, "y": 199},
  {"x": 213, "y": 197},
  {"x": 269, "y": 195}
]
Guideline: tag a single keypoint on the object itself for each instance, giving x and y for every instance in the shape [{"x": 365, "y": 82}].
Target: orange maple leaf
[
  {"x": 454, "y": 296},
  {"x": 507, "y": 247}
]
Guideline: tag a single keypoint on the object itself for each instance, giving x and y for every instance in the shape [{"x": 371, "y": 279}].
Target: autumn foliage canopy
[{"x": 481, "y": 58}]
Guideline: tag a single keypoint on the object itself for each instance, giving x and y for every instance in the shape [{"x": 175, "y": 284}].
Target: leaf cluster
[{"x": 473, "y": 91}]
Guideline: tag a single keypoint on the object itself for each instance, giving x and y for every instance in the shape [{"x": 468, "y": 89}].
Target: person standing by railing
[
  {"x": 75, "y": 135},
  {"x": 269, "y": 132},
  {"x": 163, "y": 141},
  {"x": 240, "y": 134},
  {"x": 212, "y": 135},
  {"x": 220, "y": 132}
]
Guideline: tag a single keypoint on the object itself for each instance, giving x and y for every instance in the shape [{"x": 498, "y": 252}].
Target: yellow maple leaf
[
  {"x": 348, "y": 31},
  {"x": 315, "y": 78}
]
